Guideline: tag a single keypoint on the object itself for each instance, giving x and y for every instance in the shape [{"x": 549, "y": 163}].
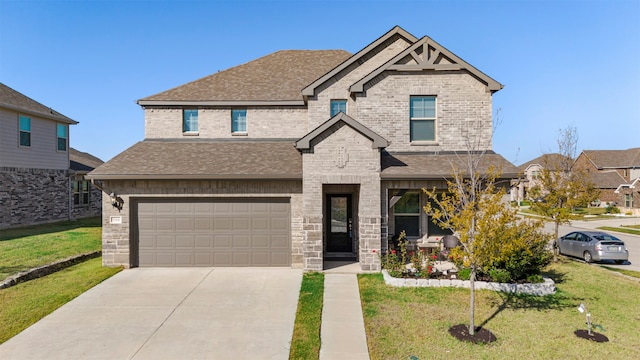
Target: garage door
[{"x": 226, "y": 232}]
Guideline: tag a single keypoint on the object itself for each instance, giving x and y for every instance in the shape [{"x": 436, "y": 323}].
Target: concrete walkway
[{"x": 342, "y": 331}]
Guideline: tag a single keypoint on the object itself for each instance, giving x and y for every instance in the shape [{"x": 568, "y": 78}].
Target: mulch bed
[
  {"x": 481, "y": 336},
  {"x": 597, "y": 337}
]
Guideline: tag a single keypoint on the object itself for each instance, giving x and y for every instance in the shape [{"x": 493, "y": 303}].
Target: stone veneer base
[{"x": 548, "y": 287}]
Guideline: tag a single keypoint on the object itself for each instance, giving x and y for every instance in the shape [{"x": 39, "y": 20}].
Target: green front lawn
[
  {"x": 26, "y": 248},
  {"x": 305, "y": 343},
  {"x": 623, "y": 229},
  {"x": 404, "y": 322},
  {"x": 26, "y": 303}
]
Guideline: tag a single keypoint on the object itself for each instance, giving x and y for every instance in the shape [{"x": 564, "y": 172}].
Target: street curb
[{"x": 47, "y": 269}]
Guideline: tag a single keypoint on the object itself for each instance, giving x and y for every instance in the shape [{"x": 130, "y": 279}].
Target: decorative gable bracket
[{"x": 426, "y": 54}]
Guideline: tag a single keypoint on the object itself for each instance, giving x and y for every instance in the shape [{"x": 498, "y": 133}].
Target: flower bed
[{"x": 548, "y": 287}]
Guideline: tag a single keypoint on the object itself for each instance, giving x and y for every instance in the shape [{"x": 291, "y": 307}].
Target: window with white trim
[{"x": 423, "y": 118}]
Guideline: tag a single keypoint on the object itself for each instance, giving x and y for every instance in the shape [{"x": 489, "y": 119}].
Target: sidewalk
[{"x": 342, "y": 331}]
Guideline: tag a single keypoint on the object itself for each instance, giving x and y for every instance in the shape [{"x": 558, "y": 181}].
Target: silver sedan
[{"x": 593, "y": 246}]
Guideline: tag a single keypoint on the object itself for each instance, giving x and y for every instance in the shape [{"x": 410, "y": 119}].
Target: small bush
[
  {"x": 535, "y": 279},
  {"x": 500, "y": 275},
  {"x": 613, "y": 210},
  {"x": 464, "y": 274}
]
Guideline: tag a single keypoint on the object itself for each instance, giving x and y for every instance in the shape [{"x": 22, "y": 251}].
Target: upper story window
[
  {"x": 190, "y": 120},
  {"x": 423, "y": 118},
  {"x": 535, "y": 174},
  {"x": 338, "y": 106},
  {"x": 239, "y": 121},
  {"x": 407, "y": 214},
  {"x": 62, "y": 137},
  {"x": 25, "y": 131}
]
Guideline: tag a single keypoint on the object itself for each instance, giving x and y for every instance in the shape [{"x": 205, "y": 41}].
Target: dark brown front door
[{"x": 339, "y": 224}]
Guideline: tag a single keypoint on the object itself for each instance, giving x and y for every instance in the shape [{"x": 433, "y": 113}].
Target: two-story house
[
  {"x": 36, "y": 184},
  {"x": 297, "y": 157},
  {"x": 616, "y": 173},
  {"x": 530, "y": 172}
]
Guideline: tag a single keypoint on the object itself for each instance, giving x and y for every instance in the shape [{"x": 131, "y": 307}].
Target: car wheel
[
  {"x": 619, "y": 262},
  {"x": 587, "y": 257}
]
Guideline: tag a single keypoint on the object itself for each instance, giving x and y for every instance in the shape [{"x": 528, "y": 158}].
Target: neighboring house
[
  {"x": 35, "y": 178},
  {"x": 86, "y": 198},
  {"x": 616, "y": 173},
  {"x": 530, "y": 171},
  {"x": 297, "y": 157}
]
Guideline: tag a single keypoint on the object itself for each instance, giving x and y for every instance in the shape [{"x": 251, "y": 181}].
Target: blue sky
[{"x": 563, "y": 63}]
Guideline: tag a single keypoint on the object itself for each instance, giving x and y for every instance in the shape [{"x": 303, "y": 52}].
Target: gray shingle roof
[
  {"x": 279, "y": 76},
  {"x": 82, "y": 162},
  {"x": 438, "y": 166},
  {"x": 606, "y": 179},
  {"x": 545, "y": 159},
  {"x": 12, "y": 99},
  {"x": 616, "y": 159},
  {"x": 201, "y": 159}
]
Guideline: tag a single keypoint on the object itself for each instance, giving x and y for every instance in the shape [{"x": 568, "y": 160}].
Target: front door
[{"x": 339, "y": 224}]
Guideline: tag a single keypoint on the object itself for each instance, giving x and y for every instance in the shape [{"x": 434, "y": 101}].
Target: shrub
[
  {"x": 464, "y": 274},
  {"x": 535, "y": 279},
  {"x": 612, "y": 209},
  {"x": 500, "y": 275}
]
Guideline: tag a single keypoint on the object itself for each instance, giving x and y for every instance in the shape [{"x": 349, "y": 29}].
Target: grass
[
  {"x": 25, "y": 248},
  {"x": 26, "y": 303},
  {"x": 305, "y": 343},
  {"x": 626, "y": 230},
  {"x": 401, "y": 322},
  {"x": 632, "y": 273}
]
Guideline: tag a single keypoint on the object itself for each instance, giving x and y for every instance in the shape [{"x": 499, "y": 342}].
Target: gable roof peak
[
  {"x": 377, "y": 141},
  {"x": 395, "y": 31},
  {"x": 427, "y": 54}
]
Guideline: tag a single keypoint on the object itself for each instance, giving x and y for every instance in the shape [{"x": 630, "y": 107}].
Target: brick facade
[
  {"x": 40, "y": 196},
  {"x": 339, "y": 160}
]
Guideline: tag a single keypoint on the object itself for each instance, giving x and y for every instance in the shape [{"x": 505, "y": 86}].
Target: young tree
[
  {"x": 474, "y": 210},
  {"x": 559, "y": 186},
  {"x": 488, "y": 228}
]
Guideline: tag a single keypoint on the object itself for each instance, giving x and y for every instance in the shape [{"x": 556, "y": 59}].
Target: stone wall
[
  {"x": 116, "y": 237},
  {"x": 33, "y": 196}
]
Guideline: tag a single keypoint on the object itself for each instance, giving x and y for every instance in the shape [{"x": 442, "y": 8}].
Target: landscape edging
[
  {"x": 47, "y": 269},
  {"x": 548, "y": 287}
]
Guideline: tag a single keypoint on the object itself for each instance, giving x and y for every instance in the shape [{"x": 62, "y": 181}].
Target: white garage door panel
[{"x": 224, "y": 232}]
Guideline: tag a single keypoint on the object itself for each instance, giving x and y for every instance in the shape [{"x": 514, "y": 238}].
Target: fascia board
[
  {"x": 221, "y": 103},
  {"x": 53, "y": 117},
  {"x": 310, "y": 89}
]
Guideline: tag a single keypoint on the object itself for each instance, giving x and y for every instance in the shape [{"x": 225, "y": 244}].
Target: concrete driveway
[{"x": 178, "y": 313}]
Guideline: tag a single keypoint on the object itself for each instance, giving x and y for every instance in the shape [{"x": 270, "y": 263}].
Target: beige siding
[
  {"x": 262, "y": 123},
  {"x": 42, "y": 154}
]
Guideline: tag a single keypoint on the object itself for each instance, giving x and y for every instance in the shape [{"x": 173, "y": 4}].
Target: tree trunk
[
  {"x": 555, "y": 248},
  {"x": 472, "y": 287}
]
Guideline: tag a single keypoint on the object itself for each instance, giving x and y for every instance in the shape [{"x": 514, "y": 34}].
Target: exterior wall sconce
[{"x": 116, "y": 201}]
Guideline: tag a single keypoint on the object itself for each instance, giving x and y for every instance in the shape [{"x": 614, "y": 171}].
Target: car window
[
  {"x": 571, "y": 236},
  {"x": 583, "y": 238},
  {"x": 602, "y": 237}
]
